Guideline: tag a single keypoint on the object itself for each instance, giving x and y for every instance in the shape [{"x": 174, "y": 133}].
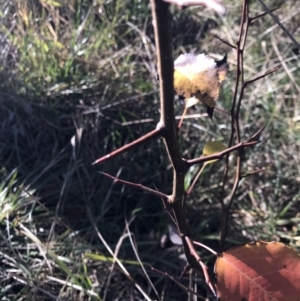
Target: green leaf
[{"x": 213, "y": 147}]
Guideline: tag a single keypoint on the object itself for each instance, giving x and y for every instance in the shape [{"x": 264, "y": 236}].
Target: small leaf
[
  {"x": 259, "y": 271},
  {"x": 59, "y": 45},
  {"x": 213, "y": 147}
]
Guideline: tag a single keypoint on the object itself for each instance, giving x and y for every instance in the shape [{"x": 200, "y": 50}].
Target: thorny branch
[
  {"x": 138, "y": 186},
  {"x": 167, "y": 129},
  {"x": 155, "y": 133},
  {"x": 221, "y": 154},
  {"x": 161, "y": 22}
]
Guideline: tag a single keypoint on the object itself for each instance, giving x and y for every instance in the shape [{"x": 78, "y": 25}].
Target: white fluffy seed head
[{"x": 191, "y": 64}]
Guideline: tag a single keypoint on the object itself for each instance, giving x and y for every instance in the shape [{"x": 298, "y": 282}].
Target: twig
[
  {"x": 235, "y": 110},
  {"x": 155, "y": 133},
  {"x": 138, "y": 186},
  {"x": 252, "y": 173},
  {"x": 256, "y": 135},
  {"x": 269, "y": 11},
  {"x": 205, "y": 247},
  {"x": 250, "y": 81},
  {"x": 235, "y": 127},
  {"x": 196, "y": 179},
  {"x": 220, "y": 155},
  {"x": 262, "y": 15},
  {"x": 196, "y": 257},
  {"x": 225, "y": 42}
]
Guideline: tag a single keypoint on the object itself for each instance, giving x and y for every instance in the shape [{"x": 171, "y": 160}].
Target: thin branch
[
  {"x": 220, "y": 155},
  {"x": 233, "y": 105},
  {"x": 196, "y": 179},
  {"x": 235, "y": 125},
  {"x": 167, "y": 207},
  {"x": 153, "y": 134},
  {"x": 250, "y": 81},
  {"x": 256, "y": 135},
  {"x": 205, "y": 247},
  {"x": 217, "y": 109},
  {"x": 137, "y": 186},
  {"x": 225, "y": 42},
  {"x": 252, "y": 173},
  {"x": 262, "y": 15},
  {"x": 279, "y": 23},
  {"x": 202, "y": 267}
]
